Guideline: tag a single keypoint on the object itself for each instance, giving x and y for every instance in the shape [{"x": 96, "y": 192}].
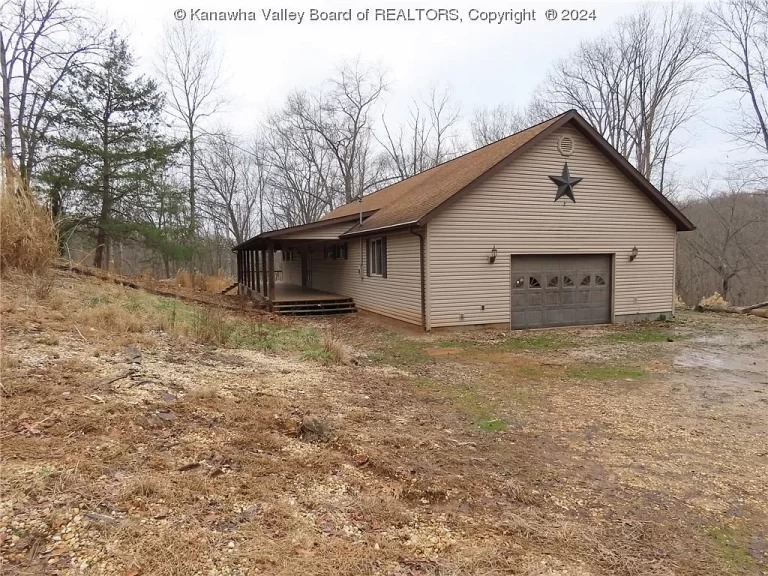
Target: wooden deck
[
  {"x": 295, "y": 293},
  {"x": 294, "y": 300}
]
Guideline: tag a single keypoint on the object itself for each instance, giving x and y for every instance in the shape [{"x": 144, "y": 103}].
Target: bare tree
[
  {"x": 635, "y": 85},
  {"x": 302, "y": 173},
  {"x": 726, "y": 253},
  {"x": 428, "y": 138},
  {"x": 489, "y": 124},
  {"x": 740, "y": 51},
  {"x": 191, "y": 70},
  {"x": 232, "y": 180},
  {"x": 342, "y": 117},
  {"x": 42, "y": 42}
]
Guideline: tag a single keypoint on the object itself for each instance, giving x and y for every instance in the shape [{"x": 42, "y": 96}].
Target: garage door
[{"x": 560, "y": 290}]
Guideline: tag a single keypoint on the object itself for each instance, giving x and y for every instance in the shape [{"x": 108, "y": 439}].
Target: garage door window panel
[{"x": 554, "y": 281}]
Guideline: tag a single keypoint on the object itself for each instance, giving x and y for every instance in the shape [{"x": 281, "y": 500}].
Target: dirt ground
[{"x": 142, "y": 436}]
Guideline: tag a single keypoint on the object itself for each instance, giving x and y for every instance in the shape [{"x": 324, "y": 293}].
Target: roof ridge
[{"x": 531, "y": 127}]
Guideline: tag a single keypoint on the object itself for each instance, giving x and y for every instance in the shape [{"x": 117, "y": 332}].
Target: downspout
[
  {"x": 422, "y": 268},
  {"x": 360, "y": 223}
]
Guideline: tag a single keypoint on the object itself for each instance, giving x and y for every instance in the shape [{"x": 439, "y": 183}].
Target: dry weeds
[
  {"x": 191, "y": 460},
  {"x": 27, "y": 232},
  {"x": 197, "y": 281}
]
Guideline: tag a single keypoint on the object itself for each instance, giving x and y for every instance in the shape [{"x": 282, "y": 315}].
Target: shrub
[{"x": 27, "y": 232}]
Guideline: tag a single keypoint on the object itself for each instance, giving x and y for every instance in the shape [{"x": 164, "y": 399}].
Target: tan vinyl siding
[
  {"x": 292, "y": 271},
  {"x": 331, "y": 232},
  {"x": 513, "y": 209},
  {"x": 398, "y": 295}
]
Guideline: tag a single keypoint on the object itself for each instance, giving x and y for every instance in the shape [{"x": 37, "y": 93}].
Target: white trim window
[{"x": 377, "y": 256}]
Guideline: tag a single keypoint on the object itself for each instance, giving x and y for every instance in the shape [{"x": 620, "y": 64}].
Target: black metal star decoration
[{"x": 565, "y": 183}]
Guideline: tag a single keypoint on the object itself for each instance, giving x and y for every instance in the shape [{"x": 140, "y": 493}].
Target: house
[{"x": 548, "y": 227}]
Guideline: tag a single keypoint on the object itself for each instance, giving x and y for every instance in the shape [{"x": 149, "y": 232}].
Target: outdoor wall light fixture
[
  {"x": 633, "y": 253},
  {"x": 492, "y": 257}
]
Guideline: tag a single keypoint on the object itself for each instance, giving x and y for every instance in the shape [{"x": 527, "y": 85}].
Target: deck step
[
  {"x": 295, "y": 305},
  {"x": 228, "y": 288},
  {"x": 315, "y": 307},
  {"x": 315, "y": 312},
  {"x": 288, "y": 303}
]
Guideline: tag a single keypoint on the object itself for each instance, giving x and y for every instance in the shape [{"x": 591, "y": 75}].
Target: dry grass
[
  {"x": 209, "y": 391},
  {"x": 145, "y": 277},
  {"x": 27, "y": 232},
  {"x": 197, "y": 281},
  {"x": 337, "y": 351},
  {"x": 114, "y": 317},
  {"x": 409, "y": 485},
  {"x": 210, "y": 327}
]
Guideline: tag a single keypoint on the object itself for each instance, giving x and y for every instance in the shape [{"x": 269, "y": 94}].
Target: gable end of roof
[{"x": 682, "y": 223}]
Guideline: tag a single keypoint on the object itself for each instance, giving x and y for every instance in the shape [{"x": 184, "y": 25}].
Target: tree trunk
[
  {"x": 102, "y": 236},
  {"x": 761, "y": 122},
  {"x": 192, "y": 199},
  {"x": 101, "y": 240},
  {"x": 56, "y": 201},
  {"x": 6, "y": 100}
]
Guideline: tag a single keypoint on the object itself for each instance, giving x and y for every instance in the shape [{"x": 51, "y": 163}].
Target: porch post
[
  {"x": 251, "y": 268},
  {"x": 244, "y": 261},
  {"x": 264, "y": 281},
  {"x": 243, "y": 277},
  {"x": 239, "y": 271},
  {"x": 271, "y": 271},
  {"x": 256, "y": 269}
]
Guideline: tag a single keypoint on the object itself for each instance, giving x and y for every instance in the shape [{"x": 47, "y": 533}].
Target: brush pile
[{"x": 716, "y": 303}]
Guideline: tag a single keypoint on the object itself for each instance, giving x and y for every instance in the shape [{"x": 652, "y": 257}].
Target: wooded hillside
[{"x": 140, "y": 171}]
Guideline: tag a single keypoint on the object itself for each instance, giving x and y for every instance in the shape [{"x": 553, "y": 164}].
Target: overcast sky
[{"x": 482, "y": 63}]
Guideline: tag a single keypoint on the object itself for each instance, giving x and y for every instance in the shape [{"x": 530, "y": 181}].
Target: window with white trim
[{"x": 377, "y": 257}]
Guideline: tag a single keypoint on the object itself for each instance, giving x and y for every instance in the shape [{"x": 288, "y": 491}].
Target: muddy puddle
[{"x": 746, "y": 353}]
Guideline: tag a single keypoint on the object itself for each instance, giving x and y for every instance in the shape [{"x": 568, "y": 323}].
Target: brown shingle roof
[
  {"x": 415, "y": 200},
  {"x": 411, "y": 199}
]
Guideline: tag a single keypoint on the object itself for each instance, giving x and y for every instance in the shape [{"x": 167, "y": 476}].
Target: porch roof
[{"x": 322, "y": 230}]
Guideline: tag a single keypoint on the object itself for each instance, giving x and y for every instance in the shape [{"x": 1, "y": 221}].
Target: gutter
[
  {"x": 379, "y": 229},
  {"x": 422, "y": 268}
]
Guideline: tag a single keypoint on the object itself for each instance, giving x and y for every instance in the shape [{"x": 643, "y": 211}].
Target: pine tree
[{"x": 112, "y": 139}]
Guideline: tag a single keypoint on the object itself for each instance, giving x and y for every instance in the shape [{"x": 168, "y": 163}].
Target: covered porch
[
  {"x": 258, "y": 279},
  {"x": 286, "y": 288}
]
